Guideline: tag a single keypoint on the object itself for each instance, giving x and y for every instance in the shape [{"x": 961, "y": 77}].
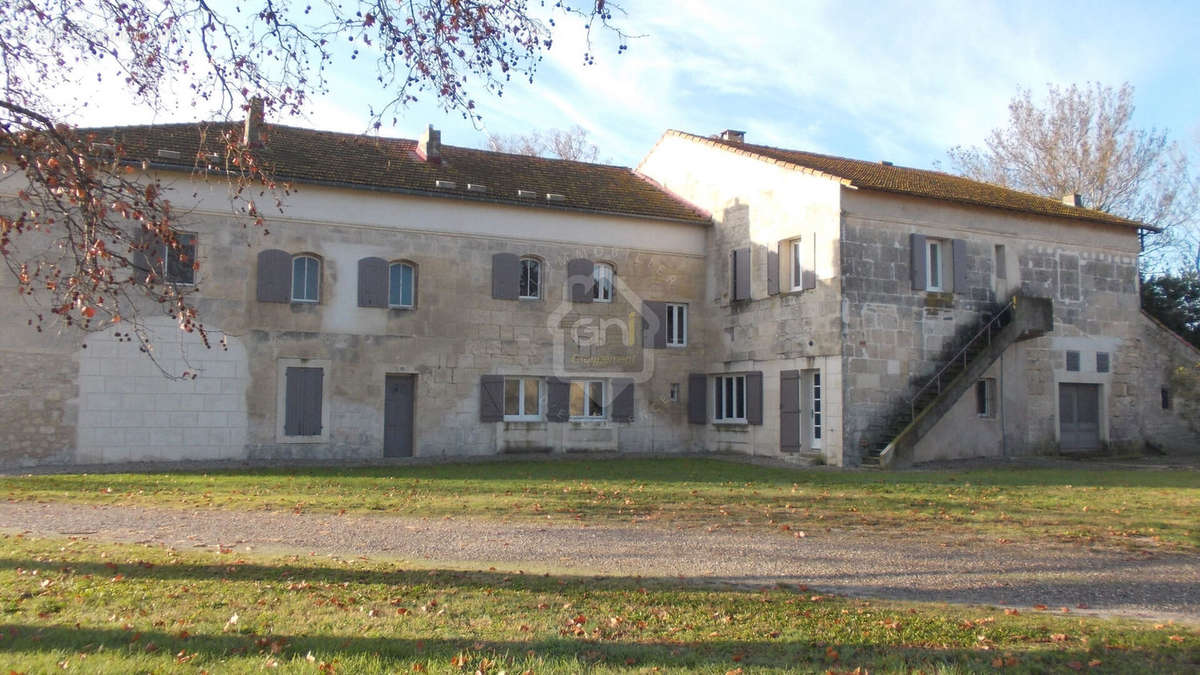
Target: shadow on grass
[{"x": 715, "y": 655}]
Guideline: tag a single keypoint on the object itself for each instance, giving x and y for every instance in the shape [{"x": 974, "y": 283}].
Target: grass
[
  {"x": 1132, "y": 509},
  {"x": 93, "y": 607}
]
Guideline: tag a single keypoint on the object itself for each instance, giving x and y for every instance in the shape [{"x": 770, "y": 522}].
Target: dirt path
[{"x": 1157, "y": 586}]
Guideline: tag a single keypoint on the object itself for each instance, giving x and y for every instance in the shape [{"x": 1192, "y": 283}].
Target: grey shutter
[
  {"x": 373, "y": 282},
  {"x": 416, "y": 283},
  {"x": 558, "y": 400},
  {"x": 959, "y": 262},
  {"x": 654, "y": 324},
  {"x": 302, "y": 402},
  {"x": 918, "y": 261},
  {"x": 789, "y": 411},
  {"x": 274, "y": 276},
  {"x": 622, "y": 403},
  {"x": 697, "y": 404},
  {"x": 741, "y": 279},
  {"x": 491, "y": 398},
  {"x": 506, "y": 276},
  {"x": 580, "y": 279},
  {"x": 754, "y": 397},
  {"x": 773, "y": 270},
  {"x": 808, "y": 268}
]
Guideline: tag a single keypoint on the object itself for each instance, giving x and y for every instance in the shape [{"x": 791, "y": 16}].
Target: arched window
[
  {"x": 531, "y": 279},
  {"x": 306, "y": 278},
  {"x": 402, "y": 285},
  {"x": 602, "y": 290}
]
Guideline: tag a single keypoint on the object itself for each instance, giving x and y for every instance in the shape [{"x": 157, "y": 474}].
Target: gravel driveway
[{"x": 1156, "y": 586}]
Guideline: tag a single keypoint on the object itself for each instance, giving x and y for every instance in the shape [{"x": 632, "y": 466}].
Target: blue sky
[{"x": 901, "y": 81}]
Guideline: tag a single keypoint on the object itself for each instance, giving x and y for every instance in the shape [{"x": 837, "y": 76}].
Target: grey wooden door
[
  {"x": 1079, "y": 416},
  {"x": 398, "y": 416}
]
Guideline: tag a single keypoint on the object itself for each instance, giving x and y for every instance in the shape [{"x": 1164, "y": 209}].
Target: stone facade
[{"x": 830, "y": 306}]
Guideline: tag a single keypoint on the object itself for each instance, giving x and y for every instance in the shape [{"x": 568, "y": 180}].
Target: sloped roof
[
  {"x": 392, "y": 164},
  {"x": 917, "y": 182}
]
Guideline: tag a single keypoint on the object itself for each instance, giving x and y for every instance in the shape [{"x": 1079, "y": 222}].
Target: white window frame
[
  {"x": 673, "y": 392},
  {"x": 523, "y": 415},
  {"x": 281, "y": 399},
  {"x": 935, "y": 269},
  {"x": 537, "y": 263},
  {"x": 725, "y": 399},
  {"x": 602, "y": 278},
  {"x": 587, "y": 386},
  {"x": 676, "y": 318},
  {"x": 817, "y": 414},
  {"x": 166, "y": 260},
  {"x": 412, "y": 291},
  {"x": 795, "y": 268},
  {"x": 988, "y": 385},
  {"x": 305, "y": 256}
]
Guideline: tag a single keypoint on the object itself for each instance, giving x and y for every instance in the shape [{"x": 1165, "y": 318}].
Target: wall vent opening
[
  {"x": 555, "y": 197},
  {"x": 476, "y": 187},
  {"x": 169, "y": 154},
  {"x": 526, "y": 194},
  {"x": 445, "y": 184}
]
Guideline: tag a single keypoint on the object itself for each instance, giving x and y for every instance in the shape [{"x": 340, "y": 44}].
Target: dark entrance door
[
  {"x": 398, "y": 416},
  {"x": 1079, "y": 416}
]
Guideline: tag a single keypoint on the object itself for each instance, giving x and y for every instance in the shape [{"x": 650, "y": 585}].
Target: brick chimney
[
  {"x": 1073, "y": 199},
  {"x": 429, "y": 148},
  {"x": 252, "y": 136},
  {"x": 733, "y": 136}
]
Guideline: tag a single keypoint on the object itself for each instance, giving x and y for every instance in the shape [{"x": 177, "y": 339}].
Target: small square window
[
  {"x": 1101, "y": 362},
  {"x": 1073, "y": 361},
  {"x": 674, "y": 391},
  {"x": 1166, "y": 398}
]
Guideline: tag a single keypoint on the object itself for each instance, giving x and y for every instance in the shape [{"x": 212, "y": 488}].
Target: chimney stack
[
  {"x": 429, "y": 148},
  {"x": 1073, "y": 199},
  {"x": 253, "y": 134},
  {"x": 733, "y": 136}
]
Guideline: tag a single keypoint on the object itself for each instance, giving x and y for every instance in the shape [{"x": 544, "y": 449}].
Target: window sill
[
  {"x": 682, "y": 346},
  {"x": 525, "y": 299},
  {"x": 588, "y": 420},
  {"x": 321, "y": 438},
  {"x": 732, "y": 425},
  {"x": 524, "y": 424}
]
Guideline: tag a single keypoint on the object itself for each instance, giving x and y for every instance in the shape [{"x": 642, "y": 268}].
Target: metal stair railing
[{"x": 984, "y": 332}]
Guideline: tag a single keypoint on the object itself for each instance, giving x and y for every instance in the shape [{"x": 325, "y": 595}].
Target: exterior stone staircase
[{"x": 1021, "y": 318}]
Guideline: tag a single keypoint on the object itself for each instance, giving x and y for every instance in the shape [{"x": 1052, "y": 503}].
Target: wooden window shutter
[
  {"x": 506, "y": 276},
  {"x": 491, "y": 398},
  {"x": 579, "y": 277},
  {"x": 959, "y": 261},
  {"x": 373, "y": 282},
  {"x": 622, "y": 402},
  {"x": 654, "y": 324},
  {"x": 789, "y": 411},
  {"x": 808, "y": 266},
  {"x": 741, "y": 276},
  {"x": 302, "y": 402},
  {"x": 754, "y": 397},
  {"x": 773, "y": 270},
  {"x": 558, "y": 400},
  {"x": 918, "y": 261},
  {"x": 274, "y": 276},
  {"x": 697, "y": 398}
]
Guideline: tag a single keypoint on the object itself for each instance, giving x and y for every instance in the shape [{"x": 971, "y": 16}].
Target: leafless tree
[
  {"x": 1082, "y": 140},
  {"x": 85, "y": 217},
  {"x": 573, "y": 144}
]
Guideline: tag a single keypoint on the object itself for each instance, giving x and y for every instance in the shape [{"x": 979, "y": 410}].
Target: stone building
[{"x": 416, "y": 298}]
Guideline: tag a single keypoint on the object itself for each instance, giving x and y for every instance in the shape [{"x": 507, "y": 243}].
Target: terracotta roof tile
[
  {"x": 918, "y": 182},
  {"x": 392, "y": 164}
]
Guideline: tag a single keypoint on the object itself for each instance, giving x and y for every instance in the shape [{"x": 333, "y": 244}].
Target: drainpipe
[{"x": 1003, "y": 427}]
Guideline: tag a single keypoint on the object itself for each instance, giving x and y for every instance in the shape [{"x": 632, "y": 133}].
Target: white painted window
[
  {"x": 531, "y": 279},
  {"x": 933, "y": 265},
  {"x": 522, "y": 398},
  {"x": 402, "y": 279},
  {"x": 729, "y": 398},
  {"x": 306, "y": 279},
  {"x": 816, "y": 409},
  {"x": 674, "y": 394},
  {"x": 587, "y": 400},
  {"x": 676, "y": 325},
  {"x": 602, "y": 289},
  {"x": 796, "y": 256},
  {"x": 985, "y": 397},
  {"x": 180, "y": 260}
]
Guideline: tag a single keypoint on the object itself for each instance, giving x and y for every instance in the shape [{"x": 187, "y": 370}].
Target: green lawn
[
  {"x": 1136, "y": 509},
  {"x": 95, "y": 607}
]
